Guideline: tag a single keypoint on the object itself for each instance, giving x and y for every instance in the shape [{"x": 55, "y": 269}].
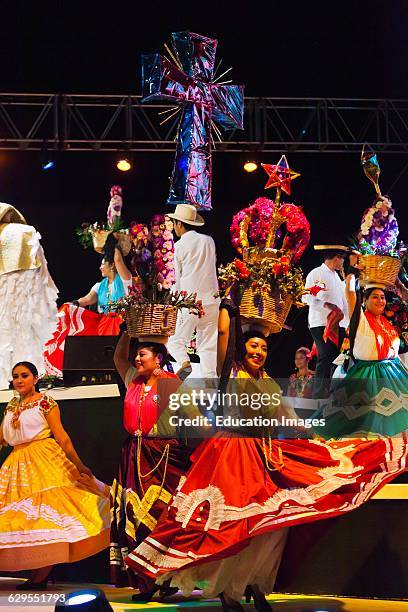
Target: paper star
[{"x": 280, "y": 175}]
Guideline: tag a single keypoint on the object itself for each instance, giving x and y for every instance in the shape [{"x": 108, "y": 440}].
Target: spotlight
[
  {"x": 89, "y": 600},
  {"x": 123, "y": 164},
  {"x": 48, "y": 164},
  {"x": 250, "y": 166}
]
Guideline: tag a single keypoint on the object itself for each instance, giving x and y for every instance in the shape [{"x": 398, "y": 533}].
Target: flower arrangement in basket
[
  {"x": 268, "y": 278},
  {"x": 150, "y": 309},
  {"x": 381, "y": 254},
  {"x": 95, "y": 234}
]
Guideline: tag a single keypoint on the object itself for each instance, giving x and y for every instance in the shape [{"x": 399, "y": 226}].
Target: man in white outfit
[
  {"x": 196, "y": 272},
  {"x": 321, "y": 305}
]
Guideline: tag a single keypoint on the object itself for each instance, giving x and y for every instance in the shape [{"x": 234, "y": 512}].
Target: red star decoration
[{"x": 280, "y": 175}]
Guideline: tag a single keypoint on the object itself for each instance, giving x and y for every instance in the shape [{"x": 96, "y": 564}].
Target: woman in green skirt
[{"x": 373, "y": 397}]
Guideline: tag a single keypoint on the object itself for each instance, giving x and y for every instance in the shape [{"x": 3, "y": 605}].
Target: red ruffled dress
[{"x": 240, "y": 493}]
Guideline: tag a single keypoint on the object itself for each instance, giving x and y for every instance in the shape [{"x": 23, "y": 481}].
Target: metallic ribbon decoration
[
  {"x": 371, "y": 166},
  {"x": 190, "y": 84}
]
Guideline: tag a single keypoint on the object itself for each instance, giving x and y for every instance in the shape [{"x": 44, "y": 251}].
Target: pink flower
[
  {"x": 167, "y": 245},
  {"x": 157, "y": 254},
  {"x": 167, "y": 235},
  {"x": 170, "y": 256}
]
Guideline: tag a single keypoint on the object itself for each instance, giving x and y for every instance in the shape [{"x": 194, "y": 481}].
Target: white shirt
[
  {"x": 365, "y": 345},
  {"x": 195, "y": 264},
  {"x": 334, "y": 294}
]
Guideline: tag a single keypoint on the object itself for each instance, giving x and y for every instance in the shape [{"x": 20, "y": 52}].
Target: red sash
[{"x": 384, "y": 334}]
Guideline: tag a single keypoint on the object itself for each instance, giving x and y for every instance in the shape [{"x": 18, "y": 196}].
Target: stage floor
[{"x": 120, "y": 600}]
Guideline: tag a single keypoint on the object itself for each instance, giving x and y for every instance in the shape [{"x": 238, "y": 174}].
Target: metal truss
[{"x": 71, "y": 122}]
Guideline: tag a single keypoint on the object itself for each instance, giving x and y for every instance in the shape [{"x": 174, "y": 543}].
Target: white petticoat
[
  {"x": 28, "y": 317},
  {"x": 258, "y": 564}
]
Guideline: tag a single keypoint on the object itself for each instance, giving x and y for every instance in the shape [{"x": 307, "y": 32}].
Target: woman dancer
[
  {"x": 153, "y": 459},
  {"x": 226, "y": 526},
  {"x": 373, "y": 397},
  {"x": 50, "y": 511}
]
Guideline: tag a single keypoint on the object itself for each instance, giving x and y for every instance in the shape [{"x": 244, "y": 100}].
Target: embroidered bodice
[{"x": 31, "y": 422}]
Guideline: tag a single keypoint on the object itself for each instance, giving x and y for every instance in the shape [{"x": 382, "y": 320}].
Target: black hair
[
  {"x": 109, "y": 249},
  {"x": 253, "y": 333},
  {"x": 159, "y": 350},
  {"x": 30, "y": 366},
  {"x": 331, "y": 254},
  {"x": 187, "y": 226},
  {"x": 369, "y": 291}
]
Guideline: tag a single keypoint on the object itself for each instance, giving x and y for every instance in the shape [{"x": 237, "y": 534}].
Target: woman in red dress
[
  {"x": 225, "y": 528},
  {"x": 152, "y": 461}
]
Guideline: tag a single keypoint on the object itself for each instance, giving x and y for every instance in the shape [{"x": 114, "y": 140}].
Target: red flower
[
  {"x": 44, "y": 404},
  {"x": 242, "y": 269}
]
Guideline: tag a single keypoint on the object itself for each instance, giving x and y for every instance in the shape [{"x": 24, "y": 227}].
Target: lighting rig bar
[{"x": 76, "y": 122}]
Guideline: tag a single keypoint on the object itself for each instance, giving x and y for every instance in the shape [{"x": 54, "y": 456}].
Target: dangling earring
[{"x": 157, "y": 370}]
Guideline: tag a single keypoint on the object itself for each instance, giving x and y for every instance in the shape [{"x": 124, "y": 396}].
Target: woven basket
[
  {"x": 99, "y": 238},
  {"x": 257, "y": 254},
  {"x": 379, "y": 269},
  {"x": 151, "y": 320},
  {"x": 267, "y": 308},
  {"x": 124, "y": 242}
]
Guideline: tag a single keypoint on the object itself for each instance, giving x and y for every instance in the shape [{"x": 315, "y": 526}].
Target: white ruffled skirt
[{"x": 28, "y": 318}]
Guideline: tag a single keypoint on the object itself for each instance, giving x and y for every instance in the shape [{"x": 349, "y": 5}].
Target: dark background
[{"x": 334, "y": 49}]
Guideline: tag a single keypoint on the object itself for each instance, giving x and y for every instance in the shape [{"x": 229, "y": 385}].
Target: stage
[
  {"x": 120, "y": 601},
  {"x": 361, "y": 554}
]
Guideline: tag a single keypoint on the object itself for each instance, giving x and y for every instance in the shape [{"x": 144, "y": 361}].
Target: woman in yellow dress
[{"x": 51, "y": 510}]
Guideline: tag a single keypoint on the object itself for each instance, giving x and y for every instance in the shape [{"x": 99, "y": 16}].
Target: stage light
[
  {"x": 250, "y": 166},
  {"x": 123, "y": 164},
  {"x": 89, "y": 600},
  {"x": 48, "y": 164}
]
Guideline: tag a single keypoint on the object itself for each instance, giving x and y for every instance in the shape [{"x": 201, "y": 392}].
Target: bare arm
[
  {"x": 63, "y": 439},
  {"x": 350, "y": 292},
  {"x": 223, "y": 337},
  {"x": 88, "y": 299},
  {"x": 121, "y": 356},
  {"x": 120, "y": 266}
]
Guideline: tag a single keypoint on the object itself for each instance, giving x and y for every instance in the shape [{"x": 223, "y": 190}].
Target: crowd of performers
[{"x": 215, "y": 513}]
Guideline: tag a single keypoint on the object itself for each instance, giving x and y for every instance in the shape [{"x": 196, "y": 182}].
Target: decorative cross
[{"x": 189, "y": 82}]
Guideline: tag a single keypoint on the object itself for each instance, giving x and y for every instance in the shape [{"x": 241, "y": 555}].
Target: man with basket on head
[
  {"x": 328, "y": 312},
  {"x": 195, "y": 268}
]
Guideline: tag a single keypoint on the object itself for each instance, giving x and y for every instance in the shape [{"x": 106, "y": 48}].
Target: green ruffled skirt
[{"x": 371, "y": 400}]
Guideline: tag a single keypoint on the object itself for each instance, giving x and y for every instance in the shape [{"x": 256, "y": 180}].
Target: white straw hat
[{"x": 186, "y": 213}]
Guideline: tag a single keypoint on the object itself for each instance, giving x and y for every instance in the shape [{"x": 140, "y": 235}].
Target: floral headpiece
[{"x": 258, "y": 226}]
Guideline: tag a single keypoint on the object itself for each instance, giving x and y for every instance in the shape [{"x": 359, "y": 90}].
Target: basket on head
[
  {"x": 99, "y": 238},
  {"x": 151, "y": 320},
  {"x": 268, "y": 308},
  {"x": 124, "y": 242},
  {"x": 256, "y": 254},
  {"x": 380, "y": 269}
]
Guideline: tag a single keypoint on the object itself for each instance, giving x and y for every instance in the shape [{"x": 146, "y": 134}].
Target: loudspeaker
[{"x": 88, "y": 360}]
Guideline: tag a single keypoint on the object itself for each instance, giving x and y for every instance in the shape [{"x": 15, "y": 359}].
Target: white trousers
[{"x": 206, "y": 342}]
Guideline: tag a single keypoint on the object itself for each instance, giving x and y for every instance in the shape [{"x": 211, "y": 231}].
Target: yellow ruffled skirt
[{"x": 46, "y": 515}]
